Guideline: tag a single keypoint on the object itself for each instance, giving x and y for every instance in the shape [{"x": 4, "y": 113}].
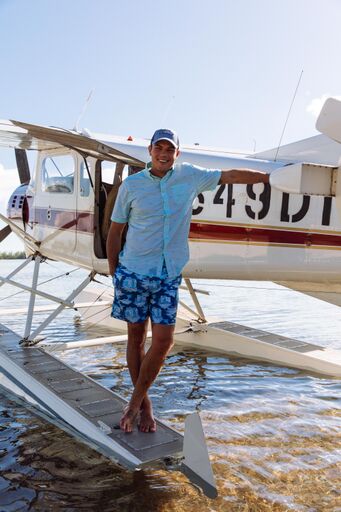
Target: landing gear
[
  {"x": 29, "y": 337},
  {"x": 198, "y": 312}
]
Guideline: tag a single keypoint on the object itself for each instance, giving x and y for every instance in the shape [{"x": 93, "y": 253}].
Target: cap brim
[{"x": 168, "y": 140}]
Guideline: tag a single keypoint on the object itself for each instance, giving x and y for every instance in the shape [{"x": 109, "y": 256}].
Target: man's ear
[
  {"x": 150, "y": 149},
  {"x": 177, "y": 152}
]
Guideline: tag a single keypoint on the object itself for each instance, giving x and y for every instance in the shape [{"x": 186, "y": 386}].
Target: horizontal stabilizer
[
  {"x": 196, "y": 465},
  {"x": 329, "y": 120},
  {"x": 319, "y": 149}
]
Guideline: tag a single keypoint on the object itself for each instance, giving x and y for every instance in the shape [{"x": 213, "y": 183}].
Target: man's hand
[{"x": 114, "y": 242}]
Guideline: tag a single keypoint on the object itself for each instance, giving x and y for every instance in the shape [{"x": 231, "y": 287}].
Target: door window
[{"x": 58, "y": 174}]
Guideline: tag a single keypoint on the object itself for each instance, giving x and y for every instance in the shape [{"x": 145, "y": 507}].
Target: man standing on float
[{"x": 156, "y": 203}]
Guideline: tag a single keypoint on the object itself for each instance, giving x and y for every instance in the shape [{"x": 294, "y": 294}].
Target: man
[{"x": 156, "y": 203}]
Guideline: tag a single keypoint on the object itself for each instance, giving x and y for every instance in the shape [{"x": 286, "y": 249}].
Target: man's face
[{"x": 163, "y": 155}]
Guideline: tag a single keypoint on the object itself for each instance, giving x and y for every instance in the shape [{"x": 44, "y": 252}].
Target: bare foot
[
  {"x": 128, "y": 419},
  {"x": 147, "y": 422}
]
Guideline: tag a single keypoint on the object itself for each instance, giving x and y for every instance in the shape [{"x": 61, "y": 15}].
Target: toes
[
  {"x": 143, "y": 427},
  {"x": 148, "y": 425},
  {"x": 127, "y": 420},
  {"x": 125, "y": 426}
]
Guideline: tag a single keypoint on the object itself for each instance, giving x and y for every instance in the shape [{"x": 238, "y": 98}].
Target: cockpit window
[{"x": 58, "y": 174}]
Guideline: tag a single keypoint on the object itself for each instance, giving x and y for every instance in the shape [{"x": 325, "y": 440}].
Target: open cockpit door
[{"x": 108, "y": 178}]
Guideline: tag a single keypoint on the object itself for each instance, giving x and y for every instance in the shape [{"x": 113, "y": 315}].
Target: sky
[{"x": 220, "y": 72}]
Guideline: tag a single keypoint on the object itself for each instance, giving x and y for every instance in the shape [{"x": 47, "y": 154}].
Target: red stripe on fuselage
[
  {"x": 248, "y": 234},
  {"x": 84, "y": 222},
  {"x": 64, "y": 219}
]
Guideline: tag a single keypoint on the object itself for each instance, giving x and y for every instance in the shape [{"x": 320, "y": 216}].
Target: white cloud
[{"x": 316, "y": 104}]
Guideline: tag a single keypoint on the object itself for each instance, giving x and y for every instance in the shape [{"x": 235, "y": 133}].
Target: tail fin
[{"x": 196, "y": 464}]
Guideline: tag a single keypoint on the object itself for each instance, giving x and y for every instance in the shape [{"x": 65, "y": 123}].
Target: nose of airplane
[{"x": 17, "y": 207}]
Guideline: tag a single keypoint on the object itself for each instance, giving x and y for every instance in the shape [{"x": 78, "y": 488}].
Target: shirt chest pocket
[
  {"x": 146, "y": 204},
  {"x": 182, "y": 194}
]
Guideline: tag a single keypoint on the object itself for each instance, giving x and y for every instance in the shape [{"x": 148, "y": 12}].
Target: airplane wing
[
  {"x": 20, "y": 135},
  {"x": 319, "y": 149}
]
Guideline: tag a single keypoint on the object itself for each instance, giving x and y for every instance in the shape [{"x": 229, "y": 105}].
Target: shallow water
[{"x": 273, "y": 433}]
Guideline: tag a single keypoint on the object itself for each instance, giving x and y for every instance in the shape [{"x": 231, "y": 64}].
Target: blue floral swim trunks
[{"x": 138, "y": 297}]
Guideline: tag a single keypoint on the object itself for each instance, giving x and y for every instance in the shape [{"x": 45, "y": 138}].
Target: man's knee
[
  {"x": 163, "y": 338},
  {"x": 164, "y": 345},
  {"x": 137, "y": 332}
]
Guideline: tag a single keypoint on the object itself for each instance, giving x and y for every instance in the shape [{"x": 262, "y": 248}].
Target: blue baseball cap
[{"x": 165, "y": 134}]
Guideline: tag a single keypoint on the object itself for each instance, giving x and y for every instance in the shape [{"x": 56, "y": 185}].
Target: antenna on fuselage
[
  {"x": 287, "y": 118},
  {"x": 167, "y": 110},
  {"x": 85, "y": 106}
]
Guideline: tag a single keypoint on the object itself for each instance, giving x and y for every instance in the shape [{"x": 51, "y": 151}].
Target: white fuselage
[{"x": 237, "y": 231}]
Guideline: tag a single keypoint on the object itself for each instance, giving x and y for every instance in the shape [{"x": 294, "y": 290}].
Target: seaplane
[{"x": 287, "y": 232}]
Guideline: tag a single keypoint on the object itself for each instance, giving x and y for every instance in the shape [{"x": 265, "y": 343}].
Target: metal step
[
  {"x": 98, "y": 405},
  {"x": 267, "y": 337},
  {"x": 269, "y": 347}
]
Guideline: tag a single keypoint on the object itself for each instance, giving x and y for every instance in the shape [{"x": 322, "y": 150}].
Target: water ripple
[{"x": 273, "y": 433}]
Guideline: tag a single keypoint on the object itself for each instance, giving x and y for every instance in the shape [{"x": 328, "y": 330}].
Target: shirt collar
[{"x": 156, "y": 178}]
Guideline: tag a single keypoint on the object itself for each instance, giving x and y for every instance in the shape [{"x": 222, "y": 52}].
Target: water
[{"x": 273, "y": 433}]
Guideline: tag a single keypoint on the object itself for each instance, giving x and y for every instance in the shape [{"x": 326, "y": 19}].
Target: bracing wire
[
  {"x": 64, "y": 274},
  {"x": 97, "y": 299},
  {"x": 288, "y": 115}
]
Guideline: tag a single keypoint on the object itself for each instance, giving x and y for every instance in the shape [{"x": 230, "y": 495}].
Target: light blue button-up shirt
[{"x": 158, "y": 212}]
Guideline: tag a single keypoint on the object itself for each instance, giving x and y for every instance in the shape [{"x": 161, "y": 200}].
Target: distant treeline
[{"x": 19, "y": 255}]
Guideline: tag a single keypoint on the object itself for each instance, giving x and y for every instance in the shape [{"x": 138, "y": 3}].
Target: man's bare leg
[
  {"x": 135, "y": 354},
  {"x": 162, "y": 342}
]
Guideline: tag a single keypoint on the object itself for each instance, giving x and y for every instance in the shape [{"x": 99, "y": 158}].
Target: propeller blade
[
  {"x": 22, "y": 164},
  {"x": 4, "y": 232}
]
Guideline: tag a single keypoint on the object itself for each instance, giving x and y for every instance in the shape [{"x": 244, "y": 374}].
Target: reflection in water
[{"x": 273, "y": 435}]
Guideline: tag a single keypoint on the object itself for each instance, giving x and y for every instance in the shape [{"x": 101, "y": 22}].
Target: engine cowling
[{"x": 18, "y": 207}]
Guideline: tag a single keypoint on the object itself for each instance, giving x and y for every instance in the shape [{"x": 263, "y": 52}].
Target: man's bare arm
[
  {"x": 243, "y": 176},
  {"x": 114, "y": 242}
]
